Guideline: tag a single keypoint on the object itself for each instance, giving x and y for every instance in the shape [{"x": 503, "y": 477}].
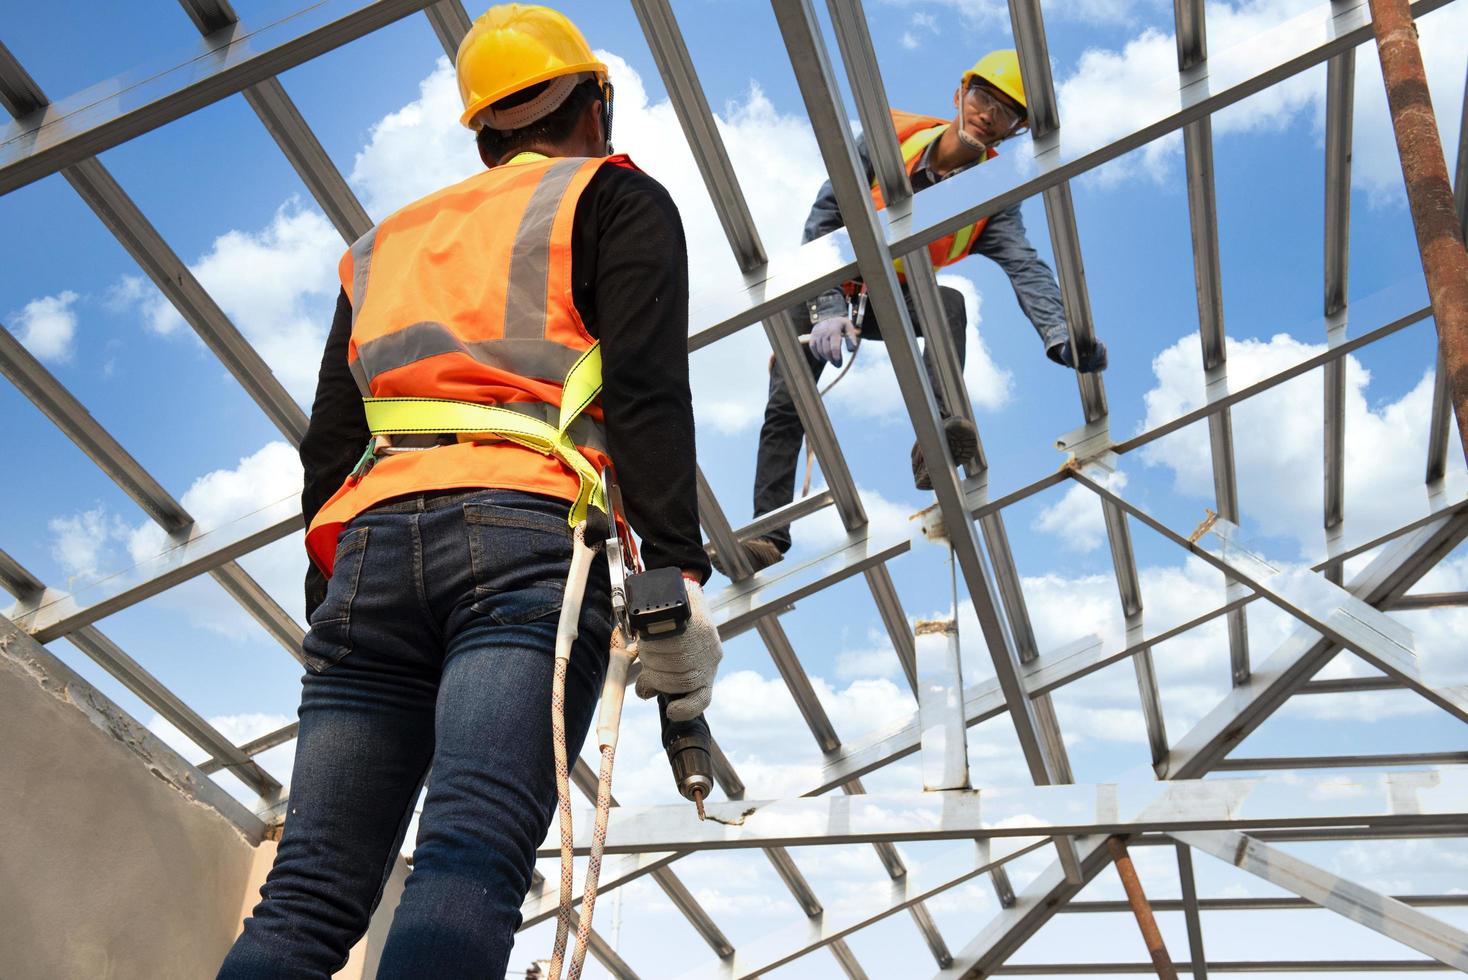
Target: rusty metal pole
[
  {"x": 1141, "y": 908},
  {"x": 1429, "y": 193}
]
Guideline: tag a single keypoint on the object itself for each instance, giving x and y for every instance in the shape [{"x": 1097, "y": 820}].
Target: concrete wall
[
  {"x": 117, "y": 859},
  {"x": 108, "y": 868}
]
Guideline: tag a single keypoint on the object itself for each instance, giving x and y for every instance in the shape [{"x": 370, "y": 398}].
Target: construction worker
[
  {"x": 431, "y": 646},
  {"x": 990, "y": 104}
]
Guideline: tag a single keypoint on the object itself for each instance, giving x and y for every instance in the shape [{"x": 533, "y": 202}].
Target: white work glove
[
  {"x": 682, "y": 666},
  {"x": 826, "y": 336}
]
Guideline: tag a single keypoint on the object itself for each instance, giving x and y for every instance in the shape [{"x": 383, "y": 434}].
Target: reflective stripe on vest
[
  {"x": 463, "y": 322},
  {"x": 915, "y": 134}
]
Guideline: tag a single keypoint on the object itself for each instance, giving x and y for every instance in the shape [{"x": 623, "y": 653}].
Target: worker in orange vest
[
  {"x": 495, "y": 344},
  {"x": 991, "y": 107}
]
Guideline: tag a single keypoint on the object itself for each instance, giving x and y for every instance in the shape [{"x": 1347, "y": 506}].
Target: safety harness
[{"x": 516, "y": 422}]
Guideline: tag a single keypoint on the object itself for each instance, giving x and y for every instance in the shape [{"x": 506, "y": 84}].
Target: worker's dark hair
[{"x": 497, "y": 144}]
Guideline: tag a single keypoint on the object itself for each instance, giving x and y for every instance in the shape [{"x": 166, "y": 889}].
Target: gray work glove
[
  {"x": 826, "y": 335},
  {"x": 683, "y": 666}
]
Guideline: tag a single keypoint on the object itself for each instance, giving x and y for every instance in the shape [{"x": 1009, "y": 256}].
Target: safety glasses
[{"x": 1005, "y": 116}]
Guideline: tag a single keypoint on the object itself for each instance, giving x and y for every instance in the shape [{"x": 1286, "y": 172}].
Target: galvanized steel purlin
[
  {"x": 1403, "y": 799},
  {"x": 1393, "y": 919},
  {"x": 660, "y": 28},
  {"x": 809, "y": 60},
  {"x": 1301, "y": 655}
]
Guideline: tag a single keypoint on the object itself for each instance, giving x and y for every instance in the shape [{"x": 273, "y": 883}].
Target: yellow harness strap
[{"x": 475, "y": 422}]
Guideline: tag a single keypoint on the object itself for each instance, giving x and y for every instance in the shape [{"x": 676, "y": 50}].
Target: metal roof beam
[
  {"x": 1022, "y": 814},
  {"x": 1241, "y": 711},
  {"x": 1395, "y": 920},
  {"x": 225, "y": 62},
  {"x": 68, "y": 414}
]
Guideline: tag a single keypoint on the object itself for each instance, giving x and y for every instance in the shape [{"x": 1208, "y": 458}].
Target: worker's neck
[
  {"x": 564, "y": 148},
  {"x": 950, "y": 153}
]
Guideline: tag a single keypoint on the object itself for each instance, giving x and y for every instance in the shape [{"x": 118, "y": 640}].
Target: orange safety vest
[
  {"x": 915, "y": 133},
  {"x": 466, "y": 295}
]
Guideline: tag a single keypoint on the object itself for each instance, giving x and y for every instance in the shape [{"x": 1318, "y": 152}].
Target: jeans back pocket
[{"x": 520, "y": 557}]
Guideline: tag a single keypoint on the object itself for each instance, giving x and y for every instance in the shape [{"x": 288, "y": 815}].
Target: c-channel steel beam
[
  {"x": 20, "y": 583},
  {"x": 812, "y": 68},
  {"x": 1306, "y": 40},
  {"x": 294, "y": 137},
  {"x": 1427, "y": 798},
  {"x": 1442, "y": 405},
  {"x": 450, "y": 22},
  {"x": 1337, "y": 967},
  {"x": 735, "y": 608},
  {"x": 862, "y": 71},
  {"x": 1260, "y": 764},
  {"x": 1395, "y": 920},
  {"x": 228, "y": 61},
  {"x": 1251, "y": 904},
  {"x": 667, "y": 879},
  {"x": 1339, "y": 112},
  {"x": 1190, "y": 907},
  {"x": 1192, "y": 51},
  {"x": 191, "y": 553},
  {"x": 1241, "y": 711},
  {"x": 68, "y": 414},
  {"x": 1029, "y": 38},
  {"x": 675, "y": 65},
  {"x": 864, "y": 74},
  {"x": 172, "y": 277},
  {"x": 1376, "y": 638},
  {"x": 254, "y": 747},
  {"x": 788, "y": 945}
]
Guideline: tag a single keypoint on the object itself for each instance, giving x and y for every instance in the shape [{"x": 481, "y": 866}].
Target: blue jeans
[{"x": 433, "y": 650}]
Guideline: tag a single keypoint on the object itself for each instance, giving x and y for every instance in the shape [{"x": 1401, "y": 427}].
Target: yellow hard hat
[
  {"x": 514, "y": 46},
  {"x": 1001, "y": 70}
]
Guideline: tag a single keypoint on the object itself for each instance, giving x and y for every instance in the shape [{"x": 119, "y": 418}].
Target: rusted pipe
[
  {"x": 1429, "y": 193},
  {"x": 1141, "y": 908}
]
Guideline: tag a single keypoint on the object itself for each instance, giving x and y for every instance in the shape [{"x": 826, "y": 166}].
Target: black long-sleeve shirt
[{"x": 629, "y": 273}]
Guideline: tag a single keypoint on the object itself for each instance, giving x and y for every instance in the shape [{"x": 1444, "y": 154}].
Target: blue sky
[{"x": 216, "y": 186}]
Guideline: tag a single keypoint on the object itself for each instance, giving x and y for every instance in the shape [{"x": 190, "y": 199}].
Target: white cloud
[
  {"x": 910, "y": 41},
  {"x": 1111, "y": 92},
  {"x": 1278, "y": 436},
  {"x": 46, "y": 326},
  {"x": 417, "y": 149},
  {"x": 278, "y": 285},
  {"x": 1076, "y": 517},
  {"x": 878, "y": 660},
  {"x": 84, "y": 544},
  {"x": 270, "y": 474},
  {"x": 91, "y": 543}
]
